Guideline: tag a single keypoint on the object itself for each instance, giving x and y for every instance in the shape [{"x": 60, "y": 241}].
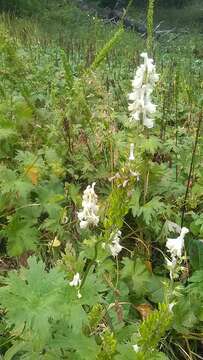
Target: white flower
[
  {"x": 170, "y": 306},
  {"x": 79, "y": 295},
  {"x": 141, "y": 106},
  {"x": 116, "y": 248},
  {"x": 136, "y": 348},
  {"x": 171, "y": 265},
  {"x": 76, "y": 280},
  {"x": 89, "y": 214},
  {"x": 175, "y": 246},
  {"x": 132, "y": 157}
]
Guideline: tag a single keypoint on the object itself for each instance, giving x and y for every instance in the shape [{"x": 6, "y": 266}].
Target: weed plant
[{"x": 86, "y": 271}]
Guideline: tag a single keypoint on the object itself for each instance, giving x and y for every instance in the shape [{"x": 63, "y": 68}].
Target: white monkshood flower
[
  {"x": 116, "y": 248},
  {"x": 132, "y": 157},
  {"x": 171, "y": 265},
  {"x": 136, "y": 348},
  {"x": 76, "y": 280},
  {"x": 141, "y": 106},
  {"x": 175, "y": 246},
  {"x": 89, "y": 214},
  {"x": 79, "y": 294}
]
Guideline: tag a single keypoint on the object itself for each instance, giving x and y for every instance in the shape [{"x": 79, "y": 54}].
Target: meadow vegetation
[{"x": 101, "y": 188}]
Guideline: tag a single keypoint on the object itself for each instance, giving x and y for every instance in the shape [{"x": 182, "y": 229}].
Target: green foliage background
[{"x": 63, "y": 125}]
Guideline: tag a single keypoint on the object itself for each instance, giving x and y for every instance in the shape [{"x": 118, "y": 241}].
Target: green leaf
[
  {"x": 33, "y": 298},
  {"x": 135, "y": 202},
  {"x": 195, "y": 252},
  {"x": 150, "y": 209},
  {"x": 151, "y": 145},
  {"x": 137, "y": 275},
  {"x": 21, "y": 236},
  {"x": 15, "y": 348},
  {"x": 184, "y": 315},
  {"x": 125, "y": 352},
  {"x": 156, "y": 288},
  {"x": 6, "y": 133}
]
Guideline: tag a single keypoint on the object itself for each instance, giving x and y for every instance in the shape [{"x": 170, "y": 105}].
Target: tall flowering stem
[{"x": 150, "y": 26}]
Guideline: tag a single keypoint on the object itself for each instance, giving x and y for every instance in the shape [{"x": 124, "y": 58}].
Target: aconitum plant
[{"x": 141, "y": 106}]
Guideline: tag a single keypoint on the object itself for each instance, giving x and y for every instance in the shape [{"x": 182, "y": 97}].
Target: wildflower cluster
[
  {"x": 175, "y": 247},
  {"x": 141, "y": 106},
  {"x": 89, "y": 214},
  {"x": 115, "y": 247}
]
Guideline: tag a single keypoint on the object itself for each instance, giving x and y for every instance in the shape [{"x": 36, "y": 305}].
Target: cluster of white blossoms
[
  {"x": 141, "y": 106},
  {"x": 115, "y": 247},
  {"x": 76, "y": 282},
  {"x": 89, "y": 214},
  {"x": 175, "y": 247}
]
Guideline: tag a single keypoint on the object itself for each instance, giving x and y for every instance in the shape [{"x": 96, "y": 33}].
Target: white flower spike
[
  {"x": 132, "y": 157},
  {"x": 76, "y": 280},
  {"x": 140, "y": 105},
  {"x": 89, "y": 214},
  {"x": 116, "y": 248},
  {"x": 175, "y": 246}
]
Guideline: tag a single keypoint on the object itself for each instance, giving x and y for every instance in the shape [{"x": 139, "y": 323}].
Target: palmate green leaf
[
  {"x": 6, "y": 133},
  {"x": 75, "y": 345},
  {"x": 156, "y": 287},
  {"x": 77, "y": 317},
  {"x": 27, "y": 158},
  {"x": 86, "y": 348},
  {"x": 33, "y": 298},
  {"x": 195, "y": 286},
  {"x": 93, "y": 289},
  {"x": 197, "y": 277},
  {"x": 125, "y": 352},
  {"x": 136, "y": 274},
  {"x": 8, "y": 178},
  {"x": 151, "y": 209},
  {"x": 21, "y": 235},
  {"x": 185, "y": 315},
  {"x": 10, "y": 182},
  {"x": 195, "y": 252},
  {"x": 23, "y": 111},
  {"x": 150, "y": 145},
  {"x": 135, "y": 202}
]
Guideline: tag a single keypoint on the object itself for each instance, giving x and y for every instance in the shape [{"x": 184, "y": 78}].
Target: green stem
[
  {"x": 191, "y": 168},
  {"x": 91, "y": 263}
]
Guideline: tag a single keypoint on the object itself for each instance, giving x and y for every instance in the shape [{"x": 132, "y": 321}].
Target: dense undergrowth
[{"x": 109, "y": 285}]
